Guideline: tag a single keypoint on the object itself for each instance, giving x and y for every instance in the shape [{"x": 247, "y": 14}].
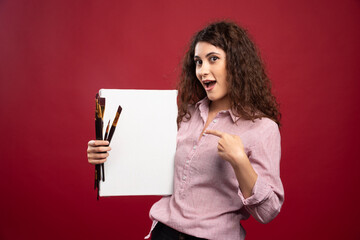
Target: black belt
[{"x": 162, "y": 232}]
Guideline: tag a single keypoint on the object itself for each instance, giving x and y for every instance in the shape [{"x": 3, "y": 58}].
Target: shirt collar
[
  {"x": 203, "y": 105},
  {"x": 204, "y": 101}
]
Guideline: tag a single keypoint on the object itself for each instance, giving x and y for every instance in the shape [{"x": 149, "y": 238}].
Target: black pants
[{"x": 163, "y": 232}]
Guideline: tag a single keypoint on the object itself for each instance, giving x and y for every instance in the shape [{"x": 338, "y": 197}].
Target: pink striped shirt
[{"x": 207, "y": 201}]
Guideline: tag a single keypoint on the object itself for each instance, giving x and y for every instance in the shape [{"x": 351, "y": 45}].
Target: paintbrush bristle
[
  {"x": 102, "y": 106},
  {"x": 117, "y": 116},
  {"x": 119, "y": 109},
  {"x": 107, "y": 128},
  {"x": 102, "y": 101}
]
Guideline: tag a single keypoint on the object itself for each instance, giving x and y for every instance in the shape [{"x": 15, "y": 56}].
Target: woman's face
[{"x": 210, "y": 64}]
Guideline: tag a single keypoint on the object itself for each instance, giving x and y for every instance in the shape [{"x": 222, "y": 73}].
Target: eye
[
  {"x": 213, "y": 58},
  {"x": 198, "y": 62}
]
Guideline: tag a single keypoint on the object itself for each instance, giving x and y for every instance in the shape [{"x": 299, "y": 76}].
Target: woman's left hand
[{"x": 230, "y": 147}]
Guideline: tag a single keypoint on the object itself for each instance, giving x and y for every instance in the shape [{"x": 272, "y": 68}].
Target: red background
[{"x": 55, "y": 55}]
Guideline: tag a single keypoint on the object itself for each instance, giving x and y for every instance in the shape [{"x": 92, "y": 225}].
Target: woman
[{"x": 228, "y": 144}]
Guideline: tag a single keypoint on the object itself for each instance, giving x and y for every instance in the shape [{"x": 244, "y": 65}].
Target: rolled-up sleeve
[{"x": 268, "y": 193}]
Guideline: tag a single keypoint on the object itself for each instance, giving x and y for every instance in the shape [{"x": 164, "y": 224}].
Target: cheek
[
  {"x": 223, "y": 74},
  {"x": 197, "y": 73}
]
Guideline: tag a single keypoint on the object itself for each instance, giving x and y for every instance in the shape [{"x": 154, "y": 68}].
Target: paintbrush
[
  {"x": 102, "y": 108},
  {"x": 112, "y": 129},
  {"x": 99, "y": 114},
  {"x": 107, "y": 130}
]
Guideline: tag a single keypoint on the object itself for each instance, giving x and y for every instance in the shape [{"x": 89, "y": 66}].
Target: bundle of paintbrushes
[{"x": 99, "y": 124}]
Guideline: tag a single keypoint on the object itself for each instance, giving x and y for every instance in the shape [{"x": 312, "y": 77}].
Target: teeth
[{"x": 208, "y": 82}]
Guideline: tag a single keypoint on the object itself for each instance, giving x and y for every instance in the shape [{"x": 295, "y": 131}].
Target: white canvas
[{"x": 141, "y": 161}]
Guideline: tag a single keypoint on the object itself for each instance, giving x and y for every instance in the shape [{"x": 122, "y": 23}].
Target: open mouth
[{"x": 209, "y": 84}]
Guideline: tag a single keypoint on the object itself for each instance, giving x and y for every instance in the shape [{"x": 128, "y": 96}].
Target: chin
[
  {"x": 212, "y": 98},
  {"x": 218, "y": 97}
]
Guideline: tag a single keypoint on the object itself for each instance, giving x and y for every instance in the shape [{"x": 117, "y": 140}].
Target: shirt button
[
  {"x": 204, "y": 134},
  {"x": 214, "y": 121},
  {"x": 184, "y": 178},
  {"x": 194, "y": 147}
]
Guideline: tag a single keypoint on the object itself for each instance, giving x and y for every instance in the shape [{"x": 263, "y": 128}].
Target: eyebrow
[{"x": 210, "y": 53}]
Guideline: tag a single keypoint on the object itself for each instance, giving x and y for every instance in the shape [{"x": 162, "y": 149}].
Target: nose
[{"x": 203, "y": 70}]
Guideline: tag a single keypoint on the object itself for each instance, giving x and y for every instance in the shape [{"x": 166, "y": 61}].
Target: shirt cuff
[{"x": 260, "y": 192}]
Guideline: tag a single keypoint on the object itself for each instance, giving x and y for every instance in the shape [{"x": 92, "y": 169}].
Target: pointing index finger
[{"x": 214, "y": 132}]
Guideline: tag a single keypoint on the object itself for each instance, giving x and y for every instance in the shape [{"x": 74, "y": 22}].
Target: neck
[{"x": 220, "y": 105}]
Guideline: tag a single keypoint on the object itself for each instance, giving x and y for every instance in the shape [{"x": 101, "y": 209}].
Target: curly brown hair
[{"x": 249, "y": 87}]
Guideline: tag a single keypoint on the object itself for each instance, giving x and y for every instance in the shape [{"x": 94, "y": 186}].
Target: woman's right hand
[{"x": 97, "y": 151}]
